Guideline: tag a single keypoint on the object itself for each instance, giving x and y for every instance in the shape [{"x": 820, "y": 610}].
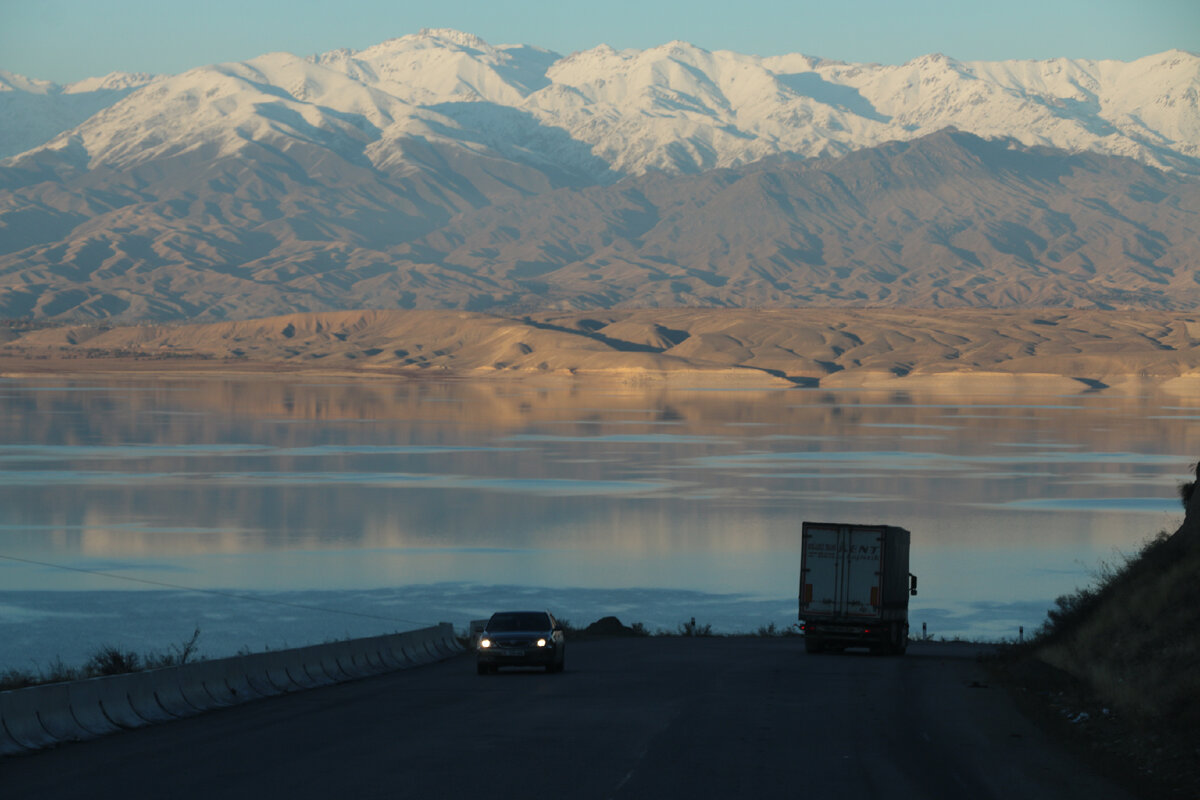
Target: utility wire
[{"x": 216, "y": 592}]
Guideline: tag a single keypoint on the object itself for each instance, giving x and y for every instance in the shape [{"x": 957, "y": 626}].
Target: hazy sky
[{"x": 65, "y": 40}]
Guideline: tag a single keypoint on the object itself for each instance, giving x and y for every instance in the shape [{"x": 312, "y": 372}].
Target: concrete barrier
[
  {"x": 310, "y": 672},
  {"x": 257, "y": 681},
  {"x": 20, "y": 711},
  {"x": 327, "y": 662},
  {"x": 43, "y": 716},
  {"x": 382, "y": 651},
  {"x": 108, "y": 696},
  {"x": 316, "y": 674},
  {"x": 300, "y": 677},
  {"x": 417, "y": 653},
  {"x": 273, "y": 668},
  {"x": 232, "y": 682},
  {"x": 397, "y": 656},
  {"x": 8, "y": 745},
  {"x": 144, "y": 703},
  {"x": 86, "y": 701},
  {"x": 365, "y": 655},
  {"x": 348, "y": 664},
  {"x": 193, "y": 686},
  {"x": 170, "y": 698}
]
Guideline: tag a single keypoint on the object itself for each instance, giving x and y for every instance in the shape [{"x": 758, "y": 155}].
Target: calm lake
[{"x": 272, "y": 513}]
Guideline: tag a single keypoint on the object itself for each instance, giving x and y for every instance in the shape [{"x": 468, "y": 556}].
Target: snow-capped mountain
[
  {"x": 437, "y": 170},
  {"x": 34, "y": 111},
  {"x": 675, "y": 108}
]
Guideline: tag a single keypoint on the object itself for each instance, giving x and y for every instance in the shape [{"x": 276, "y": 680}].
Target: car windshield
[{"x": 521, "y": 621}]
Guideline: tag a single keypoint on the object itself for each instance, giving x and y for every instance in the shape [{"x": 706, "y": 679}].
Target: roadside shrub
[
  {"x": 1186, "y": 490},
  {"x": 1152, "y": 558},
  {"x": 690, "y": 628},
  {"x": 16, "y": 679},
  {"x": 1069, "y": 609},
  {"x": 57, "y": 671},
  {"x": 112, "y": 660},
  {"x": 180, "y": 653}
]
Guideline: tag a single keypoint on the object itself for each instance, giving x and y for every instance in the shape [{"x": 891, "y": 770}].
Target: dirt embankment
[
  {"x": 1123, "y": 656},
  {"x": 1136, "y": 637},
  {"x": 854, "y": 348}
]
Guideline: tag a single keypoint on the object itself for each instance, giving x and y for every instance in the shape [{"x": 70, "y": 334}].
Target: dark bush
[
  {"x": 691, "y": 628},
  {"x": 112, "y": 660}
]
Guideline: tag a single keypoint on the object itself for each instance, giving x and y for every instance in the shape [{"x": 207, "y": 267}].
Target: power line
[{"x": 216, "y": 592}]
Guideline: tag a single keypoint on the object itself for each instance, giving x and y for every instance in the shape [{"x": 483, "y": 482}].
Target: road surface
[{"x": 629, "y": 718}]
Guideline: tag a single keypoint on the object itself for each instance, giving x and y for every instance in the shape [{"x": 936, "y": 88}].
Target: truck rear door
[
  {"x": 820, "y": 579},
  {"x": 841, "y": 571},
  {"x": 863, "y": 576}
]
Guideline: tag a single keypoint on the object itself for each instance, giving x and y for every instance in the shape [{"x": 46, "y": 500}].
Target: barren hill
[
  {"x": 1063, "y": 350},
  {"x": 950, "y": 220}
]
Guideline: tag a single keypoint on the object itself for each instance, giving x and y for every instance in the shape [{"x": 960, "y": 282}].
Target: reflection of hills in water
[
  {"x": 234, "y": 466},
  {"x": 471, "y": 405}
]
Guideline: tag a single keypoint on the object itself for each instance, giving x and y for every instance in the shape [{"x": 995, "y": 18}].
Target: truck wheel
[{"x": 899, "y": 641}]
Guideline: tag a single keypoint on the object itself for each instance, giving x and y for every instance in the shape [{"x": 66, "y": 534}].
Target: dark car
[{"x": 520, "y": 639}]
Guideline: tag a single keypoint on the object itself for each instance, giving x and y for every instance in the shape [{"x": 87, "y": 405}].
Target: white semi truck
[{"x": 854, "y": 587}]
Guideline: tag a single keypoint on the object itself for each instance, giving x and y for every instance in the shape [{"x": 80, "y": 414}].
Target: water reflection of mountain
[
  {"x": 232, "y": 466},
  {"x": 499, "y": 405}
]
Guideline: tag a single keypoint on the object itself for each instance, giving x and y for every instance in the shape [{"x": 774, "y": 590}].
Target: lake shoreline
[{"x": 931, "y": 380}]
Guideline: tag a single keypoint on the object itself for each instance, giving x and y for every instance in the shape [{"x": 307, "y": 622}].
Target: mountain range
[{"x": 438, "y": 171}]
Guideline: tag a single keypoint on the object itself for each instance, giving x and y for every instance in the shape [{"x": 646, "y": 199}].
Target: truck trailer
[{"x": 854, "y": 587}]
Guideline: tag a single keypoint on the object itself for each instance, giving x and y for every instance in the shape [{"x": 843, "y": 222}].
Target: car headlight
[
  {"x": 541, "y": 642},
  {"x": 485, "y": 643}
]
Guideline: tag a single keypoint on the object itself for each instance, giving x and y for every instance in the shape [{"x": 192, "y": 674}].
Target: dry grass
[
  {"x": 106, "y": 660},
  {"x": 1132, "y": 644},
  {"x": 1136, "y": 638}
]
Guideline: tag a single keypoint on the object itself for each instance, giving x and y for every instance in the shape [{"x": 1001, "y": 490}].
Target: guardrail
[{"x": 43, "y": 716}]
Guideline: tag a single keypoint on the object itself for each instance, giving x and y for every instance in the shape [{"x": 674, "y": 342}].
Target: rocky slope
[{"x": 949, "y": 220}]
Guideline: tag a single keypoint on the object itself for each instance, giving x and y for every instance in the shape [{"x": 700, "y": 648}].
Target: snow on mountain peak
[
  {"x": 12, "y": 82},
  {"x": 675, "y": 107},
  {"x": 113, "y": 81},
  {"x": 455, "y": 37}
]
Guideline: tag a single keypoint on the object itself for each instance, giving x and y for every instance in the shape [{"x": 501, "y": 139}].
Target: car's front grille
[{"x": 512, "y": 642}]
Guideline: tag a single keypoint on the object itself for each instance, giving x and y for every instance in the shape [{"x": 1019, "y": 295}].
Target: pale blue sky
[{"x": 66, "y": 40}]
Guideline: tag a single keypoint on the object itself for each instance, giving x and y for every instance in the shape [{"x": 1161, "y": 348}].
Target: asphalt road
[{"x": 629, "y": 718}]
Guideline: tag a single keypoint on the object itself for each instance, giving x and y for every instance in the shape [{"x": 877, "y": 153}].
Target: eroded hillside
[{"x": 1074, "y": 350}]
